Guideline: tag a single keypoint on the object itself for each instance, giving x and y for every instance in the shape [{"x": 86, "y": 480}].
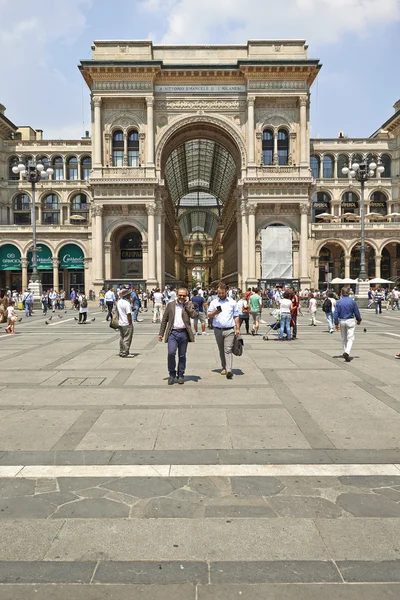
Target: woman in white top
[
  {"x": 11, "y": 318},
  {"x": 312, "y": 309},
  {"x": 285, "y": 305},
  {"x": 244, "y": 312},
  {"x": 83, "y": 308},
  {"x": 157, "y": 299}
]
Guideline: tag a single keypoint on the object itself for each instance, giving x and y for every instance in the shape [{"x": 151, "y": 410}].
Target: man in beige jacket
[{"x": 176, "y": 326}]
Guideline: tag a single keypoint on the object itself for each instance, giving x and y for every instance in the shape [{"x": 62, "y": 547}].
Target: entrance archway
[
  {"x": 10, "y": 267},
  {"x": 71, "y": 267},
  {"x": 201, "y": 164},
  {"x": 127, "y": 255},
  {"x": 369, "y": 261}
]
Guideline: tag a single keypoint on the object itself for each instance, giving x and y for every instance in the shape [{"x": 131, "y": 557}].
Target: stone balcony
[
  {"x": 124, "y": 173},
  {"x": 40, "y": 229},
  {"x": 356, "y": 226},
  {"x": 276, "y": 171}
]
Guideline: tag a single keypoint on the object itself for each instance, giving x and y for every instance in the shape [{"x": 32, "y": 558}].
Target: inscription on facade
[{"x": 199, "y": 89}]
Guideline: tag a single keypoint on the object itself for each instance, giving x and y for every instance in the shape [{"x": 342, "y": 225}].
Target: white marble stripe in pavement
[{"x": 296, "y": 470}]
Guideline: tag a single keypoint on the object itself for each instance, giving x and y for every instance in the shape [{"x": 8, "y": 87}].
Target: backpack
[
  {"x": 327, "y": 305},
  {"x": 84, "y": 302}
]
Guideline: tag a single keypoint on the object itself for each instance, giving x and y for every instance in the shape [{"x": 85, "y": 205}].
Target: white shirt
[
  {"x": 313, "y": 305},
  {"x": 225, "y": 318},
  {"x": 124, "y": 309},
  {"x": 157, "y": 296},
  {"x": 285, "y": 306},
  {"x": 178, "y": 321},
  {"x": 172, "y": 296},
  {"x": 53, "y": 295},
  {"x": 110, "y": 296}
]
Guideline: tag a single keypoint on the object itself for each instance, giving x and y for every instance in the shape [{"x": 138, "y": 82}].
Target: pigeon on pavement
[
  {"x": 46, "y": 322},
  {"x": 19, "y": 320},
  {"x": 60, "y": 316},
  {"x": 75, "y": 318},
  {"x": 94, "y": 318},
  {"x": 365, "y": 330},
  {"x": 50, "y": 318}
]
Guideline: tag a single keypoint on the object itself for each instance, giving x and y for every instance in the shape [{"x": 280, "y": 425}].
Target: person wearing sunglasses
[{"x": 176, "y": 328}]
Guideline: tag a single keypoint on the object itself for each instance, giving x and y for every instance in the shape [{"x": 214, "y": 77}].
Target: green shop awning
[
  {"x": 10, "y": 258},
  {"x": 71, "y": 257},
  {"x": 44, "y": 258}
]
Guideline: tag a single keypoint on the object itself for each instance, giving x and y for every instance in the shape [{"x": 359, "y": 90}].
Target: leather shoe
[
  {"x": 181, "y": 381},
  {"x": 229, "y": 375},
  {"x": 171, "y": 380}
]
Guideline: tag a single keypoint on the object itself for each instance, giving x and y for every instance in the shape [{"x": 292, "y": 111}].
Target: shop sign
[
  {"x": 71, "y": 257},
  {"x": 350, "y": 205},
  {"x": 44, "y": 259},
  {"x": 131, "y": 254},
  {"x": 324, "y": 205},
  {"x": 10, "y": 258}
]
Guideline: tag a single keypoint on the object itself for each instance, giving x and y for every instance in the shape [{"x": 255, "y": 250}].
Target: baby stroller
[{"x": 273, "y": 327}]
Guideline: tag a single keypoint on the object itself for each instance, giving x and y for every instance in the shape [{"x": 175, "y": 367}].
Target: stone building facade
[{"x": 195, "y": 152}]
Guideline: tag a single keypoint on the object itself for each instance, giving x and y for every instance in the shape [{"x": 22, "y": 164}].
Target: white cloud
[
  {"x": 317, "y": 21},
  {"x": 30, "y": 44}
]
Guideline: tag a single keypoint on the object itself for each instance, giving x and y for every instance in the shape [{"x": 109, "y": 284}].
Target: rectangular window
[
  {"x": 22, "y": 218},
  {"x": 268, "y": 157},
  {"x": 133, "y": 158},
  {"x": 85, "y": 174},
  {"x": 282, "y": 157},
  {"x": 51, "y": 218},
  {"x": 73, "y": 174},
  {"x": 58, "y": 174},
  {"x": 118, "y": 158}
]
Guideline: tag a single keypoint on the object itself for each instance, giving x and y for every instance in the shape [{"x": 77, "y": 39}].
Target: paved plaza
[{"x": 281, "y": 484}]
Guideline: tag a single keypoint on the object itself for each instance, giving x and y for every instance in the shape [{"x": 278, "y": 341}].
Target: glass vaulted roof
[
  {"x": 204, "y": 221},
  {"x": 200, "y": 166}
]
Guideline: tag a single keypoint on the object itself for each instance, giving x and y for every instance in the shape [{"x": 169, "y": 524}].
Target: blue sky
[{"x": 358, "y": 42}]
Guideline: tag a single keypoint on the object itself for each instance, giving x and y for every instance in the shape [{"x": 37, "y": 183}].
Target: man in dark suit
[{"x": 175, "y": 325}]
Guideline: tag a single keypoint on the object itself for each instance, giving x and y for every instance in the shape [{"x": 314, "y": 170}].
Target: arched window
[
  {"x": 321, "y": 204},
  {"x": 133, "y": 148},
  {"x": 72, "y": 168},
  {"x": 314, "y": 164},
  {"x": 378, "y": 203},
  {"x": 372, "y": 158},
  {"x": 350, "y": 203},
  {"x": 327, "y": 167},
  {"x": 79, "y": 209},
  {"x": 86, "y": 167},
  {"x": 44, "y": 160},
  {"x": 342, "y": 161},
  {"x": 22, "y": 210},
  {"x": 51, "y": 210},
  {"x": 58, "y": 166},
  {"x": 357, "y": 158},
  {"x": 387, "y": 163},
  {"x": 268, "y": 147},
  {"x": 12, "y": 161},
  {"x": 283, "y": 147},
  {"x": 198, "y": 252},
  {"x": 118, "y": 149}
]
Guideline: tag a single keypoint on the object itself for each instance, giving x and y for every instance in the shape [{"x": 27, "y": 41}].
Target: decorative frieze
[
  {"x": 191, "y": 105},
  {"x": 122, "y": 86},
  {"x": 267, "y": 84}
]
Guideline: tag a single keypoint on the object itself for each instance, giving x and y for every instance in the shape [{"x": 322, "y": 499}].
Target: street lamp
[
  {"x": 32, "y": 172},
  {"x": 362, "y": 172}
]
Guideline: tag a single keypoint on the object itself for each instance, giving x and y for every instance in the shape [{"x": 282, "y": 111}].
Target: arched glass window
[
  {"x": 283, "y": 147},
  {"x": 350, "y": 203},
  {"x": 342, "y": 161},
  {"x": 44, "y": 160},
  {"x": 387, "y": 163},
  {"x": 86, "y": 167},
  {"x": 198, "y": 252},
  {"x": 314, "y": 164},
  {"x": 22, "y": 210},
  {"x": 321, "y": 204},
  {"x": 12, "y": 161},
  {"x": 79, "y": 209},
  {"x": 268, "y": 147},
  {"x": 378, "y": 203},
  {"x": 357, "y": 158},
  {"x": 327, "y": 167},
  {"x": 133, "y": 148},
  {"x": 72, "y": 168},
  {"x": 58, "y": 166},
  {"x": 118, "y": 149},
  {"x": 51, "y": 210},
  {"x": 372, "y": 158}
]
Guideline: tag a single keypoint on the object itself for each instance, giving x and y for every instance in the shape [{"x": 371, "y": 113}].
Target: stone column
[
  {"x": 378, "y": 259},
  {"x": 97, "y": 132},
  {"x": 125, "y": 161},
  {"x": 56, "y": 263},
  {"x": 245, "y": 242},
  {"x": 304, "y": 274},
  {"x": 24, "y": 266},
  {"x": 86, "y": 263},
  {"x": 97, "y": 212},
  {"x": 239, "y": 248},
  {"x": 250, "y": 129},
  {"x": 107, "y": 260},
  {"x": 252, "y": 244},
  {"x": 303, "y": 131},
  {"x": 275, "y": 156},
  {"x": 347, "y": 260},
  {"x": 335, "y": 161},
  {"x": 150, "y": 130},
  {"x": 151, "y": 239},
  {"x": 159, "y": 224}
]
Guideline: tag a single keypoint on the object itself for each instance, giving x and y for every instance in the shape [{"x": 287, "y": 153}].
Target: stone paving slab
[
  {"x": 26, "y": 539},
  {"x": 98, "y": 592},
  {"x": 298, "y": 592}
]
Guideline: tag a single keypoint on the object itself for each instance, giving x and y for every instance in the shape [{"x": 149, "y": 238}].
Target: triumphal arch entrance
[{"x": 200, "y": 153}]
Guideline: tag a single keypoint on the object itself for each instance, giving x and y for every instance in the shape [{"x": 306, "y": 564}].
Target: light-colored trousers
[
  {"x": 347, "y": 331},
  {"x": 157, "y": 311},
  {"x": 224, "y": 338},
  {"x": 125, "y": 339},
  {"x": 313, "y": 314}
]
